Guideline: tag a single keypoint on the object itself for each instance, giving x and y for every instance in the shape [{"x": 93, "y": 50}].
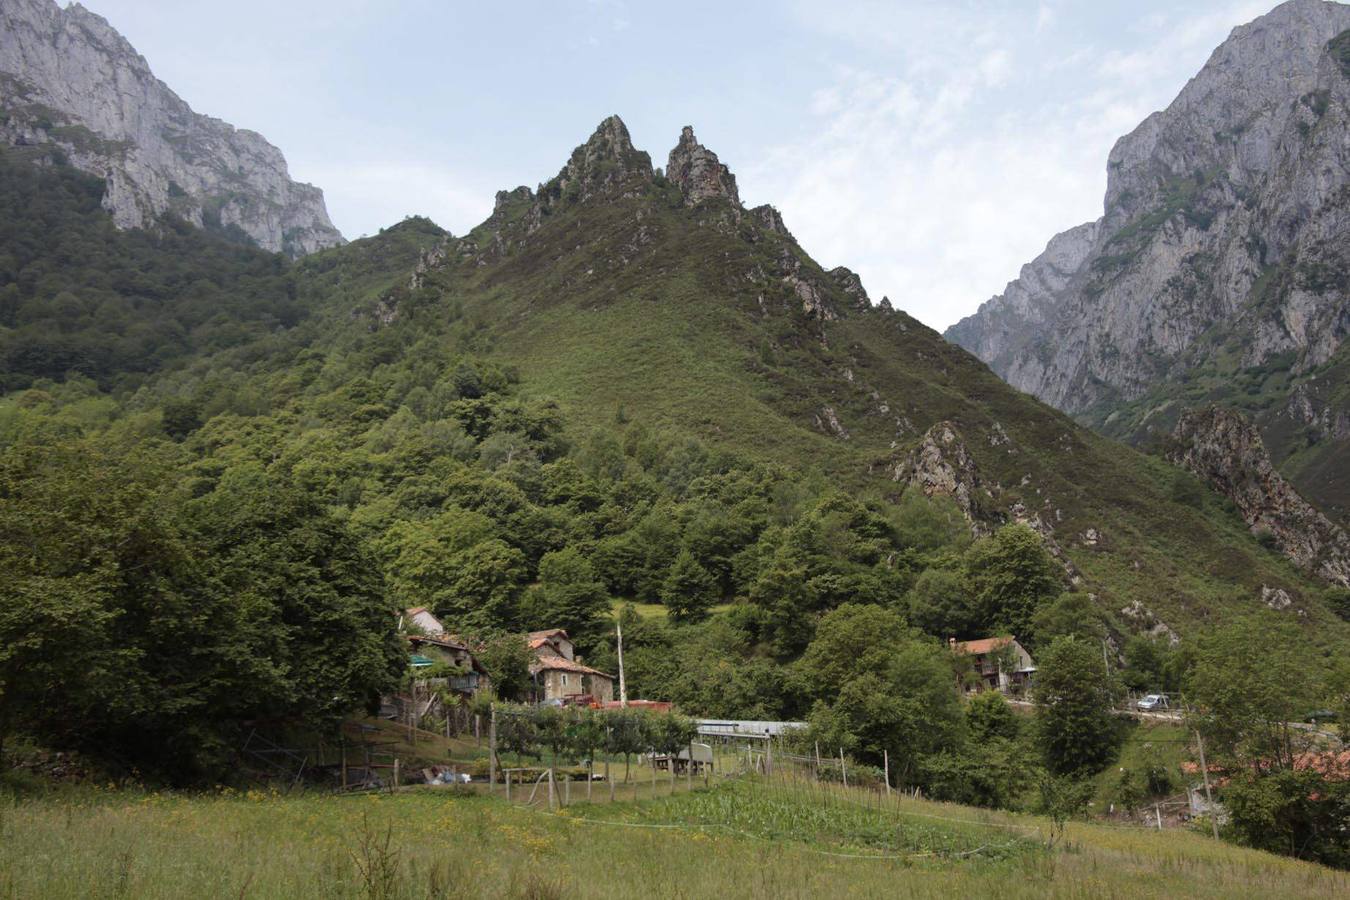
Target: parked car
[{"x": 1152, "y": 702}]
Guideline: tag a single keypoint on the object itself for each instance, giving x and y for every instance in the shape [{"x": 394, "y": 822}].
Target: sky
[{"x": 932, "y": 147}]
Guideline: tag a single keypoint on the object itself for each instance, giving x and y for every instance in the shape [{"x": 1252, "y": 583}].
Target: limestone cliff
[
  {"x": 1225, "y": 449},
  {"x": 68, "y": 78},
  {"x": 1220, "y": 268}
]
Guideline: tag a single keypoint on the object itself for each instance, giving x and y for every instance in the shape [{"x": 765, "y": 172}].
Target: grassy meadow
[{"x": 740, "y": 839}]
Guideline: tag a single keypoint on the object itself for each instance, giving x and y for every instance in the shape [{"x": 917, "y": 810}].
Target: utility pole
[
  {"x": 623, "y": 685},
  {"x": 1209, "y": 798}
]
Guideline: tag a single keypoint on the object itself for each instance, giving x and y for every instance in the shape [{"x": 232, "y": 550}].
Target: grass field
[
  {"x": 1165, "y": 743},
  {"x": 742, "y": 839},
  {"x": 657, "y": 610}
]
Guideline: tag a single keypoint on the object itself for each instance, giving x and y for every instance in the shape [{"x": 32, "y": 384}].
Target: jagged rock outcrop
[
  {"x": 771, "y": 220},
  {"x": 1005, "y": 324},
  {"x": 68, "y": 78},
  {"x": 1225, "y": 449},
  {"x": 698, "y": 173},
  {"x": 941, "y": 464},
  {"x": 827, "y": 420},
  {"x": 1224, "y": 245},
  {"x": 848, "y": 281},
  {"x": 607, "y": 163}
]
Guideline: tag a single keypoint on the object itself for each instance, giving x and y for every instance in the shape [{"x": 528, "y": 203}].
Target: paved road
[{"x": 1179, "y": 718}]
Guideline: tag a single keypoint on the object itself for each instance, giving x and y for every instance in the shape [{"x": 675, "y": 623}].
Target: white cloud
[
  {"x": 938, "y": 174},
  {"x": 1045, "y": 17}
]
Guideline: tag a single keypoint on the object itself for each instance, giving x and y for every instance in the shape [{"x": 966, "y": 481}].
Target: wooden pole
[
  {"x": 492, "y": 755},
  {"x": 886, "y": 761},
  {"x": 1209, "y": 798},
  {"x": 843, "y": 769},
  {"x": 817, "y": 760},
  {"x": 567, "y": 791},
  {"x": 1158, "y": 813},
  {"x": 623, "y": 684},
  {"x": 393, "y": 785}
]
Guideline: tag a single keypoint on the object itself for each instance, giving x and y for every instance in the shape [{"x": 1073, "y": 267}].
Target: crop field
[{"x": 746, "y": 838}]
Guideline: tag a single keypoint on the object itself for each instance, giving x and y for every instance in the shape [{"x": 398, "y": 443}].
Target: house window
[{"x": 564, "y": 680}]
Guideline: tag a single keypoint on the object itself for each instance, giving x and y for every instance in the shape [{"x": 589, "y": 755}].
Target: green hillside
[
  {"x": 603, "y": 392},
  {"x": 630, "y": 305}
]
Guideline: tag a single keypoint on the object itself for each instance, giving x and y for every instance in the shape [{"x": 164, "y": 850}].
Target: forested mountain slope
[
  {"x": 621, "y": 294},
  {"x": 622, "y": 385},
  {"x": 1218, "y": 272}
]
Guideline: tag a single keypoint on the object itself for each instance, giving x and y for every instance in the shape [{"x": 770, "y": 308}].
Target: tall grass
[{"x": 778, "y": 841}]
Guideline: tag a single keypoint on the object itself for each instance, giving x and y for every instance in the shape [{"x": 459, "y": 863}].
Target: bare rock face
[
  {"x": 699, "y": 174},
  {"x": 848, "y": 281},
  {"x": 1225, "y": 449},
  {"x": 1007, "y": 323},
  {"x": 67, "y": 78},
  {"x": 942, "y": 465},
  {"x": 771, "y": 220},
  {"x": 1225, "y": 234}
]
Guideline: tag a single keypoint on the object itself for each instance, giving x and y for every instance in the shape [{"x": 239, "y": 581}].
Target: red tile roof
[
  {"x": 562, "y": 663},
  {"x": 1330, "y": 764},
  {"x": 984, "y": 645},
  {"x": 547, "y": 633}
]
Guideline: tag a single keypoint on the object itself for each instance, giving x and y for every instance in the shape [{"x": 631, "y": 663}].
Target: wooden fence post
[
  {"x": 492, "y": 755},
  {"x": 843, "y": 769},
  {"x": 886, "y": 761}
]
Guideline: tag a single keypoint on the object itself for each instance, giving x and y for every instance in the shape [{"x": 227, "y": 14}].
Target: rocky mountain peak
[
  {"x": 1219, "y": 268},
  {"x": 1232, "y": 112},
  {"x": 71, "y": 80},
  {"x": 607, "y": 160},
  {"x": 698, "y": 172}
]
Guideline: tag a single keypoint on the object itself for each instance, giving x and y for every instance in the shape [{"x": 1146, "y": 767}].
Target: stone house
[
  {"x": 557, "y": 675},
  {"x": 552, "y": 641},
  {"x": 1000, "y": 663}
]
